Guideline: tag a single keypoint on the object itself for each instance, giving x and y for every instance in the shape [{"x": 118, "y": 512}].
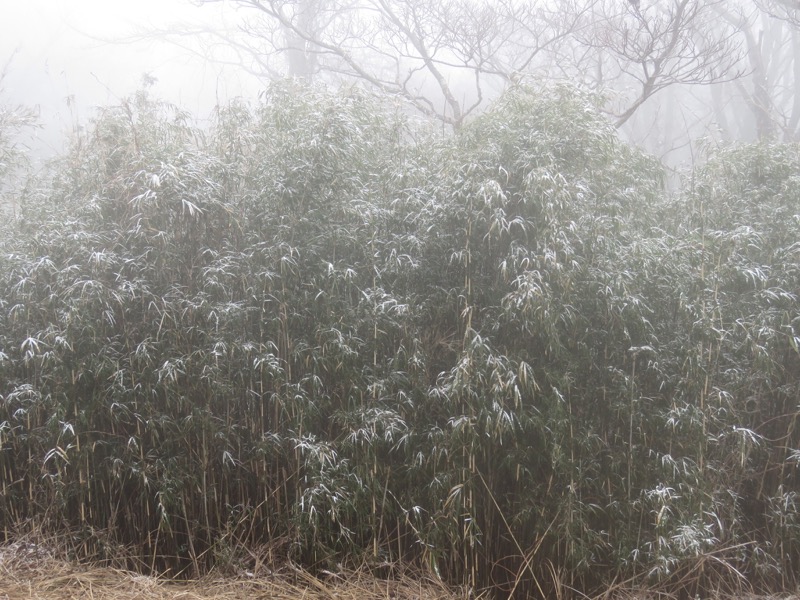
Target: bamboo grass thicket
[{"x": 508, "y": 355}]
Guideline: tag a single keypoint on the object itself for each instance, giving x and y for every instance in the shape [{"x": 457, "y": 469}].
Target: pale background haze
[{"x": 66, "y": 57}]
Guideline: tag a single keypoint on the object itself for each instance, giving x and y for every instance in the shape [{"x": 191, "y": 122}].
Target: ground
[{"x": 28, "y": 572}]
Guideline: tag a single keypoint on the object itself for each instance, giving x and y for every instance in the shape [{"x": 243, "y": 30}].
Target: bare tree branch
[
  {"x": 432, "y": 53},
  {"x": 660, "y": 44}
]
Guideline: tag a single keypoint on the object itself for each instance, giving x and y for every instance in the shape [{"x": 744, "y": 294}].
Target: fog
[
  {"x": 731, "y": 74},
  {"x": 65, "y": 58}
]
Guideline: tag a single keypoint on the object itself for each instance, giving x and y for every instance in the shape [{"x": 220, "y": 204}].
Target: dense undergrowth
[{"x": 506, "y": 355}]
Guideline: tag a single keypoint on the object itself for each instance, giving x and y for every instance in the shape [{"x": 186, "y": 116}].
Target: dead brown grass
[
  {"x": 28, "y": 572},
  {"x": 34, "y": 570}
]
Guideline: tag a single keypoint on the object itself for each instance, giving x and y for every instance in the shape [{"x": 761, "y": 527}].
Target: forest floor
[{"x": 29, "y": 573}]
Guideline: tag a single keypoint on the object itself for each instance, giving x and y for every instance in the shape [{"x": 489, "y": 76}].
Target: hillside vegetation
[{"x": 506, "y": 356}]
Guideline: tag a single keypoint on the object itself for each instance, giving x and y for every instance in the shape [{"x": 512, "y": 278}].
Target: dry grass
[
  {"x": 34, "y": 571},
  {"x": 28, "y": 571}
]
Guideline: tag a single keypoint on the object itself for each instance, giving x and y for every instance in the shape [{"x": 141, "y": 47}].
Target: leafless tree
[
  {"x": 787, "y": 10},
  {"x": 788, "y": 109},
  {"x": 447, "y": 56},
  {"x": 770, "y": 91},
  {"x": 443, "y": 56},
  {"x": 645, "y": 47}
]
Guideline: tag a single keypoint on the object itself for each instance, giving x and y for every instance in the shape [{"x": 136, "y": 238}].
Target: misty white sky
[{"x": 59, "y": 49}]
